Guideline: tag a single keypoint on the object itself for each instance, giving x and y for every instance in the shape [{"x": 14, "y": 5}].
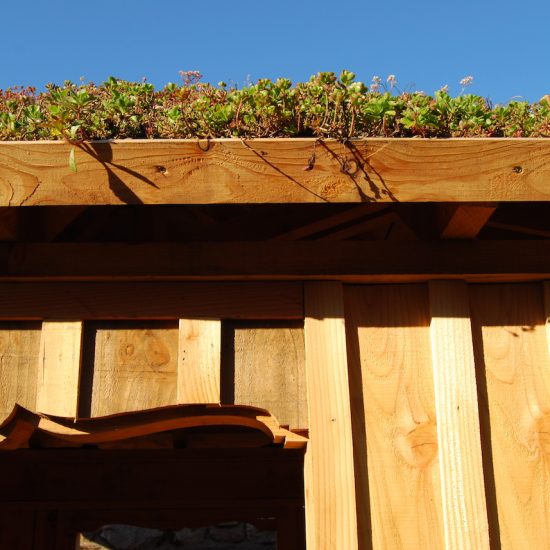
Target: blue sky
[{"x": 425, "y": 43}]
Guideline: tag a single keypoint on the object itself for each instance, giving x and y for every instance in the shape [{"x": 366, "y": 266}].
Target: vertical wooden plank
[
  {"x": 330, "y": 500},
  {"x": 461, "y": 468},
  {"x": 59, "y": 368},
  {"x": 19, "y": 350},
  {"x": 510, "y": 322},
  {"x": 269, "y": 369},
  {"x": 393, "y": 404},
  {"x": 134, "y": 365},
  {"x": 199, "y": 360}
]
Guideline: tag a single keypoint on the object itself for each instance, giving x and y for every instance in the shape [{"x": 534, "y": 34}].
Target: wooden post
[
  {"x": 199, "y": 361},
  {"x": 331, "y": 518},
  {"x": 59, "y": 368},
  {"x": 462, "y": 486}
]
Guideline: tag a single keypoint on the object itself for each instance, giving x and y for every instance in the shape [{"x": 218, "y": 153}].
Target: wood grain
[
  {"x": 166, "y": 300},
  {"x": 509, "y": 321},
  {"x": 389, "y": 356},
  {"x": 269, "y": 369},
  {"x": 134, "y": 365},
  {"x": 19, "y": 352},
  {"x": 330, "y": 501},
  {"x": 199, "y": 360},
  {"x": 361, "y": 261},
  {"x": 272, "y": 170},
  {"x": 58, "y": 377},
  {"x": 461, "y": 468}
]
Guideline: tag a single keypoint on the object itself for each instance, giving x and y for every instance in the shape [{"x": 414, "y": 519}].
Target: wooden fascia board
[
  {"x": 224, "y": 171},
  {"x": 361, "y": 261}
]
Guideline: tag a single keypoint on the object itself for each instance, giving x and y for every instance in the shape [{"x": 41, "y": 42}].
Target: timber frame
[{"x": 397, "y": 266}]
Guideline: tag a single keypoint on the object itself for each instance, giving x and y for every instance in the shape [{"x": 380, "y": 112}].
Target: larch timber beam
[{"x": 274, "y": 171}]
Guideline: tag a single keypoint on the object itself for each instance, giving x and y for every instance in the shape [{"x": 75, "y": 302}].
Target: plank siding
[
  {"x": 19, "y": 351},
  {"x": 269, "y": 368},
  {"x": 509, "y": 326},
  {"x": 133, "y": 365},
  {"x": 395, "y": 438}
]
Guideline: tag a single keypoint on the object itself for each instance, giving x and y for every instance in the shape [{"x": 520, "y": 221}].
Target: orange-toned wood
[
  {"x": 458, "y": 431},
  {"x": 199, "y": 359},
  {"x": 463, "y": 221},
  {"x": 331, "y": 515},
  {"x": 394, "y": 421},
  {"x": 154, "y": 300},
  {"x": 272, "y": 170},
  {"x": 509, "y": 325}
]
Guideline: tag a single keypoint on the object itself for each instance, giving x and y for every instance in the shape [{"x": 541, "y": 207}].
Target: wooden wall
[{"x": 428, "y": 405}]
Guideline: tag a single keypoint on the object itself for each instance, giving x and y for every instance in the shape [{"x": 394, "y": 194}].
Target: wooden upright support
[
  {"x": 330, "y": 479},
  {"x": 59, "y": 368},
  {"x": 199, "y": 361},
  {"x": 461, "y": 470}
]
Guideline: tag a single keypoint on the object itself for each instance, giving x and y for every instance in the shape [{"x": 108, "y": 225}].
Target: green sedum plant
[{"x": 326, "y": 106}]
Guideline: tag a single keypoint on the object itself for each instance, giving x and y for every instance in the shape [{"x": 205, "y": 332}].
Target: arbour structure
[{"x": 388, "y": 296}]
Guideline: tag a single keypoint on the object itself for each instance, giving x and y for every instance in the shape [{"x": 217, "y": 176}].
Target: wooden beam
[
  {"x": 199, "y": 359},
  {"x": 272, "y": 170},
  {"x": 463, "y": 221},
  {"x": 465, "y": 522},
  {"x": 151, "y": 300},
  {"x": 331, "y": 517},
  {"x": 515, "y": 228},
  {"x": 329, "y": 222},
  {"x": 59, "y": 368},
  {"x": 361, "y": 261}
]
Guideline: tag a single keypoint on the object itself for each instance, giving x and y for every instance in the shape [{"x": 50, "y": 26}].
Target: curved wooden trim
[{"x": 16, "y": 431}]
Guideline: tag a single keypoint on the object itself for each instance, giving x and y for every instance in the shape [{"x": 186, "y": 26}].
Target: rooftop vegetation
[{"x": 326, "y": 106}]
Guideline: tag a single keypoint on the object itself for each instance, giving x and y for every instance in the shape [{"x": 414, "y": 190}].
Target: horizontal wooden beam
[
  {"x": 274, "y": 171},
  {"x": 83, "y": 300},
  {"x": 360, "y": 261}
]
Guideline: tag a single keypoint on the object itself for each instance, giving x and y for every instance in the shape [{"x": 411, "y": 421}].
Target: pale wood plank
[
  {"x": 463, "y": 221},
  {"x": 134, "y": 365},
  {"x": 269, "y": 369},
  {"x": 509, "y": 323},
  {"x": 272, "y": 170},
  {"x": 154, "y": 300},
  {"x": 330, "y": 499},
  {"x": 58, "y": 378},
  {"x": 365, "y": 261},
  {"x": 19, "y": 352},
  {"x": 199, "y": 360},
  {"x": 389, "y": 356},
  {"x": 461, "y": 469}
]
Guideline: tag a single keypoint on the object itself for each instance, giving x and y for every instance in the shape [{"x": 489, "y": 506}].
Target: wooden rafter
[{"x": 463, "y": 221}]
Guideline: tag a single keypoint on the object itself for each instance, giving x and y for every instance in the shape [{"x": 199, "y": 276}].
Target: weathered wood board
[
  {"x": 133, "y": 364},
  {"x": 19, "y": 351},
  {"x": 394, "y": 421},
  {"x": 272, "y": 171},
  {"x": 513, "y": 363},
  {"x": 268, "y": 368}
]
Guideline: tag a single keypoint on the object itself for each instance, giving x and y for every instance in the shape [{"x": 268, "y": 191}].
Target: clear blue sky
[{"x": 425, "y": 43}]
